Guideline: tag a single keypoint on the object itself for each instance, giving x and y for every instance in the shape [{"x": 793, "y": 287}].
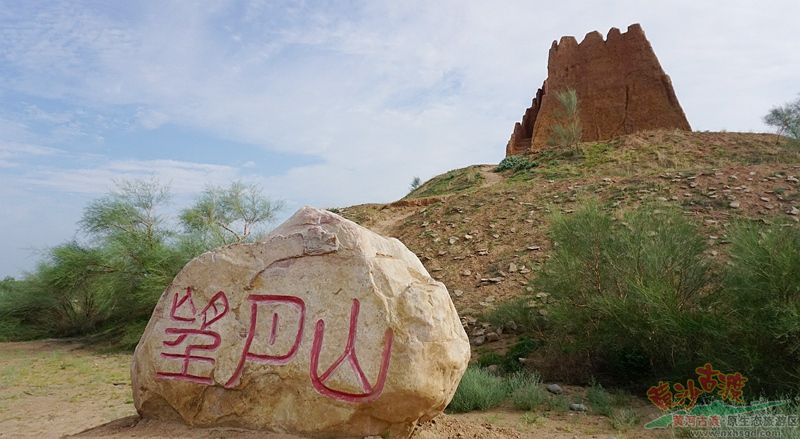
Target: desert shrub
[
  {"x": 107, "y": 284},
  {"x": 515, "y": 163},
  {"x": 526, "y": 390},
  {"x": 786, "y": 119},
  {"x": 762, "y": 291},
  {"x": 566, "y": 132},
  {"x": 631, "y": 296},
  {"x": 478, "y": 390}
]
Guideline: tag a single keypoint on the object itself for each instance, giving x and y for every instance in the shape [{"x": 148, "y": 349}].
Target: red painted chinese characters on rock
[
  {"x": 217, "y": 308},
  {"x": 183, "y": 310},
  {"x": 247, "y": 354},
  {"x": 370, "y": 391}
]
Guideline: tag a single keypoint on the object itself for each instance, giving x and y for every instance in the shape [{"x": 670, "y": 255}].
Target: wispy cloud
[
  {"x": 11, "y": 153},
  {"x": 182, "y": 177}
]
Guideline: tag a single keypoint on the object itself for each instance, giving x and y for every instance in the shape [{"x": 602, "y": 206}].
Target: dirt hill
[{"x": 484, "y": 234}]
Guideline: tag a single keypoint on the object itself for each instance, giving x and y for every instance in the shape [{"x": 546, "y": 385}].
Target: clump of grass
[
  {"x": 600, "y": 400},
  {"x": 478, "y": 390},
  {"x": 624, "y": 419},
  {"x": 526, "y": 390}
]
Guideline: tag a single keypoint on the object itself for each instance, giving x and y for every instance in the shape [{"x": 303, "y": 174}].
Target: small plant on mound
[
  {"x": 566, "y": 133},
  {"x": 515, "y": 163},
  {"x": 786, "y": 119},
  {"x": 478, "y": 390},
  {"x": 415, "y": 184}
]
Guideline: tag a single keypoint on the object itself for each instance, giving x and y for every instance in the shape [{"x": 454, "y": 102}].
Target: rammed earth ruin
[{"x": 620, "y": 84}]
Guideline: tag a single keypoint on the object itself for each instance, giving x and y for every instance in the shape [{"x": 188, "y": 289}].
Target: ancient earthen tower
[{"x": 620, "y": 84}]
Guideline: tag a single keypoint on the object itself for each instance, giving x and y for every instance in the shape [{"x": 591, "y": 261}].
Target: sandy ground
[{"x": 53, "y": 389}]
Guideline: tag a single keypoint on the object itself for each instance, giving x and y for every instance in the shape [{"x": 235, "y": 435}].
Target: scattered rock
[
  {"x": 734, "y": 204},
  {"x": 554, "y": 389},
  {"x": 576, "y": 407},
  {"x": 512, "y": 268},
  {"x": 793, "y": 211}
]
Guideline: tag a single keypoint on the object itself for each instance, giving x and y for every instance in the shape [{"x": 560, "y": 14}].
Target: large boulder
[{"x": 324, "y": 329}]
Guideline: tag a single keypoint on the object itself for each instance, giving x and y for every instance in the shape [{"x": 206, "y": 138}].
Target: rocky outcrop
[
  {"x": 325, "y": 329},
  {"x": 620, "y": 84}
]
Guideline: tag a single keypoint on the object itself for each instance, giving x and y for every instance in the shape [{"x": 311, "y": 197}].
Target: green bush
[
  {"x": 515, "y": 163},
  {"x": 478, "y": 390},
  {"x": 631, "y": 296},
  {"x": 762, "y": 291},
  {"x": 639, "y": 301}
]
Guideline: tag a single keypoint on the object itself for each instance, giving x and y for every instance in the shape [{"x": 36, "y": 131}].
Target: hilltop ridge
[{"x": 484, "y": 233}]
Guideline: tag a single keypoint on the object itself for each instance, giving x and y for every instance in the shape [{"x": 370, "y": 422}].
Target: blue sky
[{"x": 324, "y": 103}]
